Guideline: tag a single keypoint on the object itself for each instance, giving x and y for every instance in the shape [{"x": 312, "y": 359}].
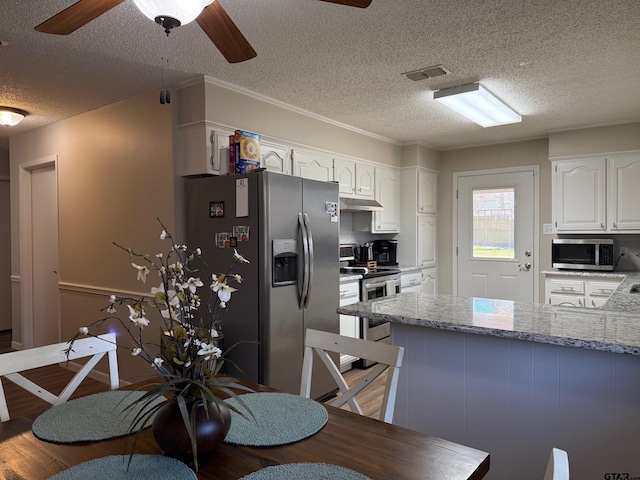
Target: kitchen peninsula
[{"x": 516, "y": 379}]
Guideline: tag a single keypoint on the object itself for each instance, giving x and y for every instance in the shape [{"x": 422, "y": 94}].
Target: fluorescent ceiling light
[
  {"x": 184, "y": 11},
  {"x": 477, "y": 104},
  {"x": 10, "y": 117}
]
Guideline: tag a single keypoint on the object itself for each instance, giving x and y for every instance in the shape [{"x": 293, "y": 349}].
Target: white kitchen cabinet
[
  {"x": 427, "y": 231},
  {"x": 355, "y": 179},
  {"x": 203, "y": 149},
  {"x": 597, "y": 194},
  {"x": 624, "y": 193},
  {"x": 427, "y": 191},
  {"x": 578, "y": 197},
  {"x": 411, "y": 281},
  {"x": 579, "y": 290},
  {"x": 387, "y": 192},
  {"x": 314, "y": 165},
  {"x": 430, "y": 280},
  {"x": 349, "y": 324},
  {"x": 275, "y": 157}
]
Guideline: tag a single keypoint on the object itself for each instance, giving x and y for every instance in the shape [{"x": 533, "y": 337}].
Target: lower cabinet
[
  {"x": 411, "y": 281},
  {"x": 349, "y": 324},
  {"x": 579, "y": 290}
]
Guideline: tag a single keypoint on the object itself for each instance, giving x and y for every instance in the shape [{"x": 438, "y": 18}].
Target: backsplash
[{"x": 347, "y": 235}]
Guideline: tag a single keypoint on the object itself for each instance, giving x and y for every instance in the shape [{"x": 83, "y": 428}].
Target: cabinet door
[
  {"x": 427, "y": 231},
  {"x": 345, "y": 175},
  {"x": 429, "y": 281},
  {"x": 365, "y": 180},
  {"x": 313, "y": 165},
  {"x": 624, "y": 193},
  {"x": 204, "y": 150},
  {"x": 387, "y": 192},
  {"x": 579, "y": 195},
  {"x": 427, "y": 192},
  {"x": 275, "y": 157},
  {"x": 566, "y": 301},
  {"x": 411, "y": 281}
]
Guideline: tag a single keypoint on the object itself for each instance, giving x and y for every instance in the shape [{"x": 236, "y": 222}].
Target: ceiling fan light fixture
[
  {"x": 10, "y": 117},
  {"x": 172, "y": 13},
  {"x": 477, "y": 104}
]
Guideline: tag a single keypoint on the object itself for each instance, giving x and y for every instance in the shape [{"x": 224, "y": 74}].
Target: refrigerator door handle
[
  {"x": 305, "y": 262},
  {"x": 310, "y": 258}
]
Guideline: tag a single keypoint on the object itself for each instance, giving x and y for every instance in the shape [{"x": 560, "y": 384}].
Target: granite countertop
[{"x": 597, "y": 329}]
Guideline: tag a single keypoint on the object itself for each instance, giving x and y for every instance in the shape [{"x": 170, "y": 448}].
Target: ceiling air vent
[{"x": 428, "y": 72}]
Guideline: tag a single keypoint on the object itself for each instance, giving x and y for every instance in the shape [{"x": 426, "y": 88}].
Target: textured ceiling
[{"x": 559, "y": 63}]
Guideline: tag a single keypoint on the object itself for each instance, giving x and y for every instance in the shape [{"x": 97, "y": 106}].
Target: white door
[
  {"x": 496, "y": 234},
  {"x": 44, "y": 221}
]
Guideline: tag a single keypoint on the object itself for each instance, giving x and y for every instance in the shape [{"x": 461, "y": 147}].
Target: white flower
[
  {"x": 142, "y": 272},
  {"x": 238, "y": 257},
  {"x": 223, "y": 304},
  {"x": 214, "y": 333},
  {"x": 136, "y": 351},
  {"x": 111, "y": 309},
  {"x": 237, "y": 277},
  {"x": 157, "y": 362},
  {"x": 113, "y": 299},
  {"x": 84, "y": 330},
  {"x": 209, "y": 350},
  {"x": 224, "y": 292},
  {"x": 159, "y": 255},
  {"x": 192, "y": 284},
  {"x": 198, "y": 252},
  {"x": 164, "y": 235},
  {"x": 137, "y": 317}
]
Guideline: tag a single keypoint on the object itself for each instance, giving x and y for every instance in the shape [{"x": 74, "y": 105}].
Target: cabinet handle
[
  {"x": 580, "y": 302},
  {"x": 602, "y": 226},
  {"x": 614, "y": 225}
]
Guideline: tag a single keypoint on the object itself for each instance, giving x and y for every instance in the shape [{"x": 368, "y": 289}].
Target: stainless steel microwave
[{"x": 583, "y": 253}]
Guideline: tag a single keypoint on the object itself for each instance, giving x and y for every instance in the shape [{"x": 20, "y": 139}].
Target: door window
[{"x": 493, "y": 223}]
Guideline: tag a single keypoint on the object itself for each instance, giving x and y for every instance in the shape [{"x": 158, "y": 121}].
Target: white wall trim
[
  {"x": 536, "y": 220},
  {"x": 26, "y": 241},
  {"x": 102, "y": 291}
]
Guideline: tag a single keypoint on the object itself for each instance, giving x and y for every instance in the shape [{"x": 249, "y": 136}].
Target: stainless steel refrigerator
[{"x": 287, "y": 227}]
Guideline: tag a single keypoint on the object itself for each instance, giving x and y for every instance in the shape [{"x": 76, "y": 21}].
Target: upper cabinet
[
  {"x": 427, "y": 191},
  {"x": 313, "y": 165},
  {"x": 597, "y": 194},
  {"x": 624, "y": 193},
  {"x": 387, "y": 192},
  {"x": 275, "y": 157},
  {"x": 355, "y": 179},
  {"x": 203, "y": 149}
]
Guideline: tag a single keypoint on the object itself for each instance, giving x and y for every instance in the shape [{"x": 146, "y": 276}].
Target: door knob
[{"x": 525, "y": 265}]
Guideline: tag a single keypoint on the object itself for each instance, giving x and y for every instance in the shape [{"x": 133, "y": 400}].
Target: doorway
[
  {"x": 496, "y": 218},
  {"x": 5, "y": 254},
  {"x": 39, "y": 252}
]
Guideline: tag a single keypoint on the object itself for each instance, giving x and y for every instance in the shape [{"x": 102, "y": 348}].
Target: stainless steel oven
[{"x": 376, "y": 284}]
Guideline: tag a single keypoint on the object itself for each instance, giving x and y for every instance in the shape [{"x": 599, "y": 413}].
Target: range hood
[{"x": 359, "y": 205}]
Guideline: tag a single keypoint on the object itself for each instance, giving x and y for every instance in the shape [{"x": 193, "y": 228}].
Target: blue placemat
[
  {"x": 305, "y": 471},
  {"x": 281, "y": 418},
  {"x": 94, "y": 417},
  {"x": 142, "y": 467}
]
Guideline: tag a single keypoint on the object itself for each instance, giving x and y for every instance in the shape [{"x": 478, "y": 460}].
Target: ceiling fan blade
[
  {"x": 77, "y": 15},
  {"x": 351, "y": 3},
  {"x": 225, "y": 34}
]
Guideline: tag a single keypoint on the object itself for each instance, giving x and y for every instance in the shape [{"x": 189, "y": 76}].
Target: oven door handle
[{"x": 369, "y": 286}]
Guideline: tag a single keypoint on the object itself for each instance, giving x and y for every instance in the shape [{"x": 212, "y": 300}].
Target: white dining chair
[
  {"x": 388, "y": 358},
  {"x": 558, "y": 465},
  {"x": 12, "y": 363}
]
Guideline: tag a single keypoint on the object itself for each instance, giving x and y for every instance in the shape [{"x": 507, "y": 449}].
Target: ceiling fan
[{"x": 209, "y": 14}]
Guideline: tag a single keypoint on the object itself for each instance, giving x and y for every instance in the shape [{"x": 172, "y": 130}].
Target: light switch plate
[{"x": 547, "y": 228}]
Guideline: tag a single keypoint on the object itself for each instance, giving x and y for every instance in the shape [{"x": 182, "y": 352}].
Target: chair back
[
  {"x": 12, "y": 363},
  {"x": 558, "y": 466},
  {"x": 388, "y": 358}
]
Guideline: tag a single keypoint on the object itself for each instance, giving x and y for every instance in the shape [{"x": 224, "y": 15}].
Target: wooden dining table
[{"x": 373, "y": 448}]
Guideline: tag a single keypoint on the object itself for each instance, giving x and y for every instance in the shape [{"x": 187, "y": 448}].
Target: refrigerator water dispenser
[{"x": 285, "y": 262}]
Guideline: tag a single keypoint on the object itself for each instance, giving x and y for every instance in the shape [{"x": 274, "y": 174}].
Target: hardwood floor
[{"x": 54, "y": 378}]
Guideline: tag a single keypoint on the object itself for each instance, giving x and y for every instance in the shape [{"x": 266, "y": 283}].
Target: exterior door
[{"x": 496, "y": 235}]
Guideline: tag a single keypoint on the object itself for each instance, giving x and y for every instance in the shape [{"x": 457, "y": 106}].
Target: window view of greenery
[{"x": 493, "y": 223}]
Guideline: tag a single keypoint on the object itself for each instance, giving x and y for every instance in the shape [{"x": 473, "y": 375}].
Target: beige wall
[
  {"x": 236, "y": 110},
  {"x": 420, "y": 156},
  {"x": 115, "y": 176},
  {"x": 534, "y": 152},
  {"x": 589, "y": 141}
]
